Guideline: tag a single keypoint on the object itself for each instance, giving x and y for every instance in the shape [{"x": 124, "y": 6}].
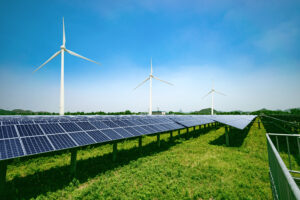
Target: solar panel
[
  {"x": 98, "y": 136},
  {"x": 149, "y": 129},
  {"x": 82, "y": 138},
  {"x": 133, "y": 131},
  {"x": 70, "y": 127},
  {"x": 129, "y": 122},
  {"x": 8, "y": 132},
  {"x": 156, "y": 130},
  {"x": 110, "y": 124},
  {"x": 52, "y": 128},
  {"x": 112, "y": 134},
  {"x": 120, "y": 123},
  {"x": 10, "y": 148},
  {"x": 85, "y": 125},
  {"x": 124, "y": 133},
  {"x": 141, "y": 130},
  {"x": 62, "y": 141},
  {"x": 38, "y": 144},
  {"x": 99, "y": 125},
  {"x": 29, "y": 130}
]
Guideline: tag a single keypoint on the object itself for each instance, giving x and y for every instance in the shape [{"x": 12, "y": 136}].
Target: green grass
[{"x": 200, "y": 167}]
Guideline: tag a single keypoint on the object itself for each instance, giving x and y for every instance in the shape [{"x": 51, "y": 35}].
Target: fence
[{"x": 282, "y": 183}]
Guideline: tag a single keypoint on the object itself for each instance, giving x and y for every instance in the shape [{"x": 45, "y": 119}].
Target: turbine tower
[
  {"x": 150, "y": 91},
  {"x": 62, "y": 51},
  {"x": 212, "y": 91}
]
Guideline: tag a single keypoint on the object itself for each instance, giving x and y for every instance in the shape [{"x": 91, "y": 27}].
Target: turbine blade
[
  {"x": 207, "y": 94},
  {"x": 220, "y": 93},
  {"x": 56, "y": 54},
  {"x": 162, "y": 80},
  {"x": 64, "y": 36},
  {"x": 75, "y": 54},
  {"x": 142, "y": 83}
]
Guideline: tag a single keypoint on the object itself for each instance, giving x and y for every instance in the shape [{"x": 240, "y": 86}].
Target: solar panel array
[
  {"x": 29, "y": 135},
  {"x": 237, "y": 121}
]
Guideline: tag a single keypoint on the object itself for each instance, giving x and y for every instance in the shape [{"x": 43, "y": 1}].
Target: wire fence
[{"x": 283, "y": 185}]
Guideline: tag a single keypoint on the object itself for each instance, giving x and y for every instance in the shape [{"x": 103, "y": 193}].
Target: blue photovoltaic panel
[
  {"x": 156, "y": 130},
  {"x": 112, "y": 134},
  {"x": 142, "y": 121},
  {"x": 62, "y": 141},
  {"x": 26, "y": 122},
  {"x": 149, "y": 129},
  {"x": 120, "y": 123},
  {"x": 82, "y": 138},
  {"x": 10, "y": 122},
  {"x": 35, "y": 145},
  {"x": 133, "y": 131},
  {"x": 167, "y": 126},
  {"x": 85, "y": 126},
  {"x": 176, "y": 126},
  {"x": 162, "y": 128},
  {"x": 52, "y": 128},
  {"x": 110, "y": 124},
  {"x": 98, "y": 136},
  {"x": 29, "y": 130},
  {"x": 128, "y": 123},
  {"x": 141, "y": 130},
  {"x": 99, "y": 125},
  {"x": 10, "y": 148},
  {"x": 70, "y": 127},
  {"x": 123, "y": 132},
  {"x": 136, "y": 122},
  {"x": 8, "y": 132}
]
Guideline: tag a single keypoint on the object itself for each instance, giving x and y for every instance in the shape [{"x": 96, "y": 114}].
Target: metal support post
[
  {"x": 73, "y": 162},
  {"x": 115, "y": 149},
  {"x": 158, "y": 140},
  {"x": 227, "y": 135}
]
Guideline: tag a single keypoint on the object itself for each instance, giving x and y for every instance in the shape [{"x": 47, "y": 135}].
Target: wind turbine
[
  {"x": 150, "y": 80},
  {"x": 212, "y": 91},
  {"x": 62, "y": 51}
]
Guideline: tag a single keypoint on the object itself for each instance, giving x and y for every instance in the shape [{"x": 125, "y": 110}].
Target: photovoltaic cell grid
[{"x": 28, "y": 135}]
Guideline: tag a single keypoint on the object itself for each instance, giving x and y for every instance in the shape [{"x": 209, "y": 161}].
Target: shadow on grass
[
  {"x": 57, "y": 178},
  {"x": 236, "y": 138}
]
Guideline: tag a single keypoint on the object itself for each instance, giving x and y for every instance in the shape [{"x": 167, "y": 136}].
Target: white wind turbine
[
  {"x": 212, "y": 91},
  {"x": 61, "y": 51},
  {"x": 150, "y": 80}
]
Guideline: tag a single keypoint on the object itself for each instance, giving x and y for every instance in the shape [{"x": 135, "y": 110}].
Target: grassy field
[{"x": 198, "y": 167}]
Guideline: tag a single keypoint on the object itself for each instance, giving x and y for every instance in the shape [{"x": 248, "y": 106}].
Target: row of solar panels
[
  {"x": 41, "y": 136},
  {"x": 49, "y": 119}
]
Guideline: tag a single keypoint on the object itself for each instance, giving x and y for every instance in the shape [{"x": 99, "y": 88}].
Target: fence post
[
  {"x": 298, "y": 146},
  {"x": 288, "y": 147}
]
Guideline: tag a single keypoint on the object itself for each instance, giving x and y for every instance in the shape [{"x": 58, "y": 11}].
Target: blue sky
[{"x": 250, "y": 49}]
